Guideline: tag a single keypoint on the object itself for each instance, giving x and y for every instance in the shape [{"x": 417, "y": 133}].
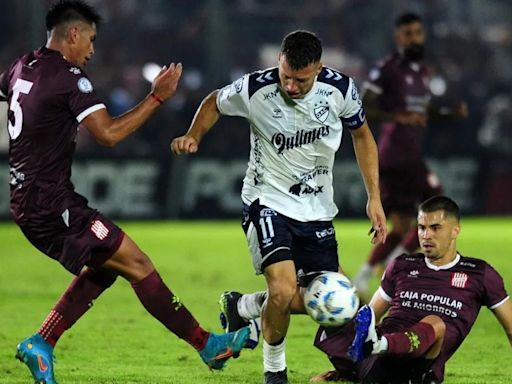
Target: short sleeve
[
  {"x": 82, "y": 99},
  {"x": 4, "y": 85},
  {"x": 376, "y": 80},
  {"x": 495, "y": 293},
  {"x": 233, "y": 99},
  {"x": 352, "y": 113},
  {"x": 387, "y": 284}
]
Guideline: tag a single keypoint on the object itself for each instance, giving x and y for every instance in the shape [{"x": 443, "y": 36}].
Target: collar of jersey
[{"x": 441, "y": 267}]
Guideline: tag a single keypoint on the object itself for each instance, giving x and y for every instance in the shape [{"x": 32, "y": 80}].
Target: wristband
[{"x": 156, "y": 97}]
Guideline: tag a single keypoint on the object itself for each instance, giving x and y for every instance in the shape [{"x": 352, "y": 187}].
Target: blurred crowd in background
[{"x": 469, "y": 47}]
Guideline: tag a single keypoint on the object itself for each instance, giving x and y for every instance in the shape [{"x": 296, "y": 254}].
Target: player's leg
[
  {"x": 426, "y": 185},
  {"x": 86, "y": 239},
  {"x": 335, "y": 342},
  {"x": 131, "y": 263},
  {"x": 270, "y": 240},
  {"x": 423, "y": 339},
  {"x": 398, "y": 200}
]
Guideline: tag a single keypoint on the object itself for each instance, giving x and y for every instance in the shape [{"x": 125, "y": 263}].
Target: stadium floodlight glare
[
  {"x": 150, "y": 71},
  {"x": 438, "y": 86}
]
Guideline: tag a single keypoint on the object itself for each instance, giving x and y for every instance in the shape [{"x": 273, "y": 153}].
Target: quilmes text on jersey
[{"x": 302, "y": 137}]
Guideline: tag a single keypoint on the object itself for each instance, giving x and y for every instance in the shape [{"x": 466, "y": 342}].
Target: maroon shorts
[
  {"x": 77, "y": 237},
  {"x": 402, "y": 189}
]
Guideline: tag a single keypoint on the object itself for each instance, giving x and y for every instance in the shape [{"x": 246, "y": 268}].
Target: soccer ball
[{"x": 331, "y": 299}]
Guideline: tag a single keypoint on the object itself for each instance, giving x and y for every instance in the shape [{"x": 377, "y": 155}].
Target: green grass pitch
[{"x": 118, "y": 342}]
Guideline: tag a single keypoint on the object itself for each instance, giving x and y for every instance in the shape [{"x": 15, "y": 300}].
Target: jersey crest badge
[
  {"x": 459, "y": 280},
  {"x": 84, "y": 85},
  {"x": 321, "y": 111}
]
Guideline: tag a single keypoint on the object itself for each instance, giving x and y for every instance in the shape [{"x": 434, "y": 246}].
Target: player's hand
[
  {"x": 184, "y": 144},
  {"x": 411, "y": 118},
  {"x": 377, "y": 217},
  {"x": 165, "y": 84}
]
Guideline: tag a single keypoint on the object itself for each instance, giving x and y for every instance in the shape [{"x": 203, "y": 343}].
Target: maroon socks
[
  {"x": 160, "y": 302},
  {"x": 74, "y": 303},
  {"x": 415, "y": 341}
]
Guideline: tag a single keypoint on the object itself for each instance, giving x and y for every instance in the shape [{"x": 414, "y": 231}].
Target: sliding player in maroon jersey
[{"x": 433, "y": 299}]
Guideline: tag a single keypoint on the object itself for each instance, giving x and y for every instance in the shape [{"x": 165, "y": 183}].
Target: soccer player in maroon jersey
[
  {"x": 397, "y": 95},
  {"x": 49, "y": 96},
  {"x": 433, "y": 299}
]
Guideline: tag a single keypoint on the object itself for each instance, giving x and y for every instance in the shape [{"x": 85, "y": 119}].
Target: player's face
[
  {"x": 409, "y": 34},
  {"x": 296, "y": 83},
  {"x": 83, "y": 43},
  {"x": 437, "y": 233}
]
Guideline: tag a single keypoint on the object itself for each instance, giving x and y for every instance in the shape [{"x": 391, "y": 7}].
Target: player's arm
[
  {"x": 205, "y": 118},
  {"x": 109, "y": 130},
  {"x": 375, "y": 113},
  {"x": 504, "y": 315},
  {"x": 448, "y": 114},
  {"x": 379, "y": 304},
  {"x": 367, "y": 158},
  {"x": 3, "y": 86}
]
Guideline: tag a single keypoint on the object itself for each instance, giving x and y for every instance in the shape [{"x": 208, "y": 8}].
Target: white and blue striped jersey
[{"x": 293, "y": 141}]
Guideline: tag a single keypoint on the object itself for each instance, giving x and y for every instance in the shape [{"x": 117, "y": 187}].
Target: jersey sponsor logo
[
  {"x": 459, "y": 280},
  {"x": 277, "y": 113},
  {"x": 321, "y": 111},
  {"x": 75, "y": 70},
  {"x": 319, "y": 170},
  {"x": 467, "y": 264},
  {"x": 239, "y": 84},
  {"x": 413, "y": 273},
  {"x": 323, "y": 92},
  {"x": 271, "y": 94},
  {"x": 355, "y": 92},
  {"x": 302, "y": 189},
  {"x": 325, "y": 232},
  {"x": 84, "y": 85},
  {"x": 17, "y": 178},
  {"x": 99, "y": 229},
  {"x": 302, "y": 137}
]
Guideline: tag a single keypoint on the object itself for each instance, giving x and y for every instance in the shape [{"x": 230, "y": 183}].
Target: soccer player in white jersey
[{"x": 296, "y": 112}]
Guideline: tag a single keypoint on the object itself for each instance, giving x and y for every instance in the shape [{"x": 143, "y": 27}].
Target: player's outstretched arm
[
  {"x": 206, "y": 116},
  {"x": 367, "y": 158},
  {"x": 110, "y": 131},
  {"x": 504, "y": 315}
]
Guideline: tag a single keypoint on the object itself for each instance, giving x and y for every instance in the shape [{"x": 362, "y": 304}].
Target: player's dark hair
[
  {"x": 441, "y": 203},
  {"x": 301, "y": 49},
  {"x": 65, "y": 11},
  {"x": 407, "y": 18}
]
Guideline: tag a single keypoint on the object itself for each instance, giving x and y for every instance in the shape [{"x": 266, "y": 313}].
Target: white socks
[
  {"x": 249, "y": 305},
  {"x": 380, "y": 346},
  {"x": 274, "y": 358}
]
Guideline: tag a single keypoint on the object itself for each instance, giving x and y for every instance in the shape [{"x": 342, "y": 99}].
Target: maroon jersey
[
  {"x": 455, "y": 292},
  {"x": 403, "y": 87},
  {"x": 48, "y": 97}
]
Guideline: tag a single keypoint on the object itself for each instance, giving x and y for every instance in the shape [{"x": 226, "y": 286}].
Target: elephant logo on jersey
[
  {"x": 297, "y": 190},
  {"x": 321, "y": 111}
]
